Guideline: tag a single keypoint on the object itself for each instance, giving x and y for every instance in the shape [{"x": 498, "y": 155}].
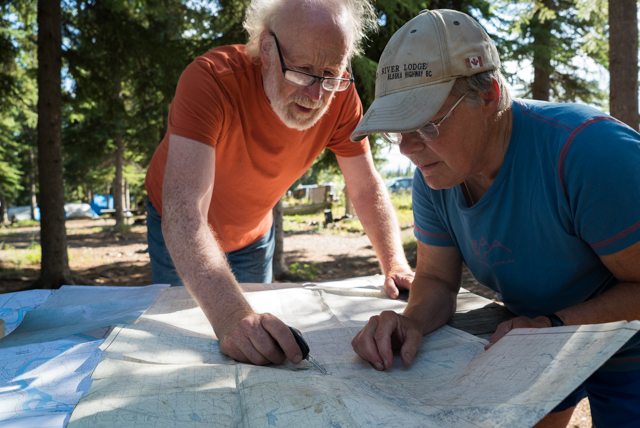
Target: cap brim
[{"x": 403, "y": 111}]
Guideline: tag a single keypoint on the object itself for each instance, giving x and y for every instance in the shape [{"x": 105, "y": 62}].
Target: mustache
[{"x": 306, "y": 102}]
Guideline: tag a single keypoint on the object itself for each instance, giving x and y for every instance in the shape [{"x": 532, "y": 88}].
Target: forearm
[
  {"x": 432, "y": 303},
  {"x": 203, "y": 267},
  {"x": 621, "y": 302},
  {"x": 379, "y": 221}
]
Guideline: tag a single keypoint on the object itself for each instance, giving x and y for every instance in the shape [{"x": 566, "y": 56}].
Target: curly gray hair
[
  {"x": 264, "y": 15},
  {"x": 474, "y": 85}
]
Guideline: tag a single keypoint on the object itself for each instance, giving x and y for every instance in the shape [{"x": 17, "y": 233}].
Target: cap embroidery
[{"x": 474, "y": 62}]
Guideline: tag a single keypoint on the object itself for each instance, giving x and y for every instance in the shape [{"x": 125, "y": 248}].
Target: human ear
[
  {"x": 265, "y": 47},
  {"x": 491, "y": 98}
]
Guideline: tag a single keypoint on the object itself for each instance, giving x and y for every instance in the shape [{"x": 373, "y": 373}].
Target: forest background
[{"x": 86, "y": 85}]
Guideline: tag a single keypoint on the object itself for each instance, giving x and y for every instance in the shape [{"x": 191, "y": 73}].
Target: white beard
[{"x": 284, "y": 109}]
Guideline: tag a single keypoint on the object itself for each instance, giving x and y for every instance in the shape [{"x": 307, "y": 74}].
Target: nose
[
  {"x": 314, "y": 92},
  {"x": 409, "y": 146}
]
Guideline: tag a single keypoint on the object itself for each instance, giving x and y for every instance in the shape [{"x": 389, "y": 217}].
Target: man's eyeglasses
[
  {"x": 299, "y": 78},
  {"x": 430, "y": 131}
]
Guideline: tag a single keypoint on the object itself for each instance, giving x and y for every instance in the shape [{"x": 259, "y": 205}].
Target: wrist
[
  {"x": 556, "y": 321},
  {"x": 397, "y": 266}
]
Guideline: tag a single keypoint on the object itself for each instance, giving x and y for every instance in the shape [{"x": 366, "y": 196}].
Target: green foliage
[
  {"x": 409, "y": 244},
  {"x": 17, "y": 94},
  {"x": 305, "y": 270},
  {"x": 399, "y": 172},
  {"x": 4, "y": 247},
  {"x": 403, "y": 205},
  {"x": 122, "y": 61},
  {"x": 557, "y": 36},
  {"x": 402, "y": 200}
]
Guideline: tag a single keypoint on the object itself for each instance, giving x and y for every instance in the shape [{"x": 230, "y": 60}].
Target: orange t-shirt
[{"x": 220, "y": 102}]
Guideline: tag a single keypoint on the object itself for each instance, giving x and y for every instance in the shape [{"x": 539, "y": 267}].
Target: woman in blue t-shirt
[{"x": 541, "y": 201}]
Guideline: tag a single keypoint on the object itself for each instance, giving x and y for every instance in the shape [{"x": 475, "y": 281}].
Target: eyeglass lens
[
  {"x": 302, "y": 79},
  {"x": 426, "y": 133}
]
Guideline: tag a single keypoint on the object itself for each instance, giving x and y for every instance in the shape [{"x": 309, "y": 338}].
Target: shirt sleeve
[
  {"x": 198, "y": 109},
  {"x": 600, "y": 169},
  {"x": 428, "y": 227},
  {"x": 350, "y": 116}
]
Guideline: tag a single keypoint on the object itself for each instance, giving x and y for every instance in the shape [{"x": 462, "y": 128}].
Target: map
[
  {"x": 46, "y": 362},
  {"x": 13, "y": 306},
  {"x": 74, "y": 309},
  {"x": 166, "y": 371},
  {"x": 41, "y": 383}
]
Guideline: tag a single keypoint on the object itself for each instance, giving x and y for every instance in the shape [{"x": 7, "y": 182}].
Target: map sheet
[
  {"x": 13, "y": 306},
  {"x": 167, "y": 371},
  {"x": 74, "y": 309},
  {"x": 40, "y": 383}
]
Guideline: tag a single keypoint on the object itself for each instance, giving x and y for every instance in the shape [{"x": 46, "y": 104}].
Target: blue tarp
[{"x": 99, "y": 203}]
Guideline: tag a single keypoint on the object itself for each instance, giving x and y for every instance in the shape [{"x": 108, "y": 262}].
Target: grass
[
  {"x": 25, "y": 223},
  {"x": 30, "y": 256},
  {"x": 299, "y": 223},
  {"x": 305, "y": 270},
  {"x": 409, "y": 243}
]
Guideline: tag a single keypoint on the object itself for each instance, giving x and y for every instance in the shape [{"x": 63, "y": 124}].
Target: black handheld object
[{"x": 301, "y": 342}]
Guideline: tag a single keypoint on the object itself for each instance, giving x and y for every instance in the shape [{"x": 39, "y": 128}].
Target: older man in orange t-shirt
[{"x": 245, "y": 123}]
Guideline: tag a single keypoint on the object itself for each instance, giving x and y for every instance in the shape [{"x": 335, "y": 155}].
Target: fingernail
[
  {"x": 407, "y": 357},
  {"x": 378, "y": 366},
  {"x": 386, "y": 363},
  {"x": 297, "y": 358}
]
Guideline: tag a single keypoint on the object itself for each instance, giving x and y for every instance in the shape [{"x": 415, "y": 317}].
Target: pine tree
[
  {"x": 623, "y": 60},
  {"x": 54, "y": 270},
  {"x": 552, "y": 35}
]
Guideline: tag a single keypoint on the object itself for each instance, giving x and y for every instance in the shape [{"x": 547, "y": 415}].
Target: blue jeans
[
  {"x": 253, "y": 263},
  {"x": 614, "y": 398}
]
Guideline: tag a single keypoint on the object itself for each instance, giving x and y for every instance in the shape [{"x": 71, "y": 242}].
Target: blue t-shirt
[{"x": 568, "y": 191}]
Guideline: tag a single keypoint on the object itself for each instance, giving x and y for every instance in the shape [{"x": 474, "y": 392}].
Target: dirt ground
[{"x": 100, "y": 256}]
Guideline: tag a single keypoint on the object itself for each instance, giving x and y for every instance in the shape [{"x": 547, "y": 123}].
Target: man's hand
[
  {"x": 519, "y": 322},
  {"x": 398, "y": 278},
  {"x": 385, "y": 333},
  {"x": 259, "y": 339}
]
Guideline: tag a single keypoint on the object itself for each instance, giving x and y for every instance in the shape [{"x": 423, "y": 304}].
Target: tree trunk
[
  {"x": 3, "y": 210},
  {"x": 118, "y": 186},
  {"x": 89, "y": 192},
  {"x": 32, "y": 184},
  {"x": 106, "y": 192},
  {"x": 54, "y": 270},
  {"x": 127, "y": 197},
  {"x": 623, "y": 61},
  {"x": 541, "y": 85},
  {"x": 279, "y": 267}
]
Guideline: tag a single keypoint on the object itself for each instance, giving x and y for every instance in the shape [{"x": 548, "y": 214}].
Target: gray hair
[
  {"x": 479, "y": 83},
  {"x": 266, "y": 14}
]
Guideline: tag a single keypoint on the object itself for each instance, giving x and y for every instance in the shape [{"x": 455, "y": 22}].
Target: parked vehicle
[{"x": 399, "y": 183}]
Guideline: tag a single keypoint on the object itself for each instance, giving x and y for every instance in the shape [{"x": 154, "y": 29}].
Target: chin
[
  {"x": 436, "y": 184},
  {"x": 301, "y": 122}
]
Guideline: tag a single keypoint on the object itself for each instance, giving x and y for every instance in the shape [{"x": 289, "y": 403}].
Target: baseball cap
[{"x": 419, "y": 66}]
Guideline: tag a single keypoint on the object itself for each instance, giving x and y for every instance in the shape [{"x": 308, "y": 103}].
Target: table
[{"x": 165, "y": 370}]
